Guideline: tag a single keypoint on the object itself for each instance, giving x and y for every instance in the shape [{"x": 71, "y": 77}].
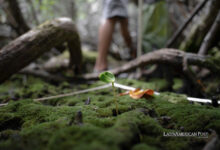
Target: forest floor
[{"x": 73, "y": 123}]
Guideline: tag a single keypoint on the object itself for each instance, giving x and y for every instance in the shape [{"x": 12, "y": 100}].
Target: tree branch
[
  {"x": 170, "y": 57},
  {"x": 28, "y": 47}
]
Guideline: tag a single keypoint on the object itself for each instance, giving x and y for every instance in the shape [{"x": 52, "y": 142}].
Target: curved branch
[
  {"x": 171, "y": 57},
  {"x": 28, "y": 47}
]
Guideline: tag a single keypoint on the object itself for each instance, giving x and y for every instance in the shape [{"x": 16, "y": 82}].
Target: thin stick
[{"x": 74, "y": 93}]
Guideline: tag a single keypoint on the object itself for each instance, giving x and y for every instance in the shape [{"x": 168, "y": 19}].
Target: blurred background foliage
[
  {"x": 160, "y": 19},
  {"x": 156, "y": 26}
]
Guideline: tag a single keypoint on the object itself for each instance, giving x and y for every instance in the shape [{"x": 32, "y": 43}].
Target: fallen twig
[{"x": 74, "y": 93}]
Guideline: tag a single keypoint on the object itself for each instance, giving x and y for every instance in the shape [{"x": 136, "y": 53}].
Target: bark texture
[{"x": 28, "y": 47}]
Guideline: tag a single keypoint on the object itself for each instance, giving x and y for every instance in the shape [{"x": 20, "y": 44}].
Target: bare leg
[
  {"x": 126, "y": 35},
  {"x": 105, "y": 36}
]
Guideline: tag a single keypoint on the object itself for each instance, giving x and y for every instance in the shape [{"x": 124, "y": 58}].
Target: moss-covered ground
[{"x": 74, "y": 123}]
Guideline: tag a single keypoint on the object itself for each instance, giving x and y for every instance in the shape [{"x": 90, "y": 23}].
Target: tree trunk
[
  {"x": 211, "y": 37},
  {"x": 198, "y": 32},
  {"x": 15, "y": 17},
  {"x": 28, "y": 47},
  {"x": 175, "y": 36}
]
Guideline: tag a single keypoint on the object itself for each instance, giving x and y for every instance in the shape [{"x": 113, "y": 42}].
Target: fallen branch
[
  {"x": 171, "y": 57},
  {"x": 28, "y": 47},
  {"x": 74, "y": 93}
]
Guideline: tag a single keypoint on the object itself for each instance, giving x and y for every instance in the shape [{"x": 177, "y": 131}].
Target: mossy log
[
  {"x": 28, "y": 47},
  {"x": 171, "y": 57}
]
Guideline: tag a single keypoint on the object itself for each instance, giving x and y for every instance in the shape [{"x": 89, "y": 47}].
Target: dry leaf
[{"x": 125, "y": 93}]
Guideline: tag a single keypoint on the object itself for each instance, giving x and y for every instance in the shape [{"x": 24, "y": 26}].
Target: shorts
[{"x": 115, "y": 8}]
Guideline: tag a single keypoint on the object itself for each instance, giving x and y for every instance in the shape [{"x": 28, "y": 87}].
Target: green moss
[
  {"x": 143, "y": 147},
  {"x": 187, "y": 115},
  {"x": 54, "y": 124}
]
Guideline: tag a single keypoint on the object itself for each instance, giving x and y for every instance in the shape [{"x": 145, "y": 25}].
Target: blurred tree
[
  {"x": 156, "y": 26},
  {"x": 200, "y": 28},
  {"x": 15, "y": 17},
  {"x": 33, "y": 11}
]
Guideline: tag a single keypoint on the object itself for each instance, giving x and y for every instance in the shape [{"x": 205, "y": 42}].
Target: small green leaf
[{"x": 107, "y": 77}]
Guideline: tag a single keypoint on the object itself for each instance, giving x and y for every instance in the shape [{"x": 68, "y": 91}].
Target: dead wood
[
  {"x": 211, "y": 36},
  {"x": 28, "y": 47},
  {"x": 171, "y": 57},
  {"x": 185, "y": 24}
]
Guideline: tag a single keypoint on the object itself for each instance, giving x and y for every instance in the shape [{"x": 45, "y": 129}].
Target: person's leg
[
  {"x": 126, "y": 36},
  {"x": 105, "y": 36}
]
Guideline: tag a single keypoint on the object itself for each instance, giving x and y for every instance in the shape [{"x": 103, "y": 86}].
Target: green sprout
[{"x": 108, "y": 77}]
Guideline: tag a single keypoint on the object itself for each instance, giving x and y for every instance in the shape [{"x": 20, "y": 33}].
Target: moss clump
[{"x": 55, "y": 124}]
